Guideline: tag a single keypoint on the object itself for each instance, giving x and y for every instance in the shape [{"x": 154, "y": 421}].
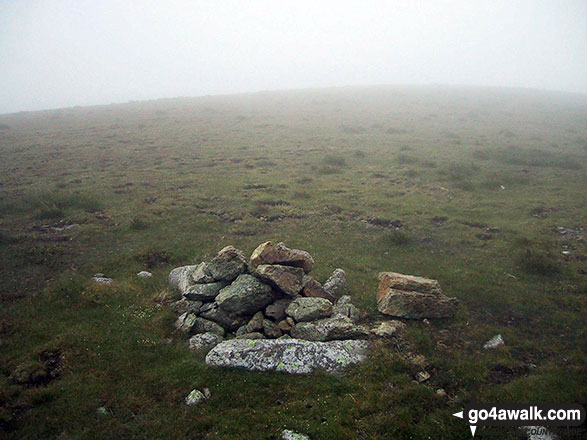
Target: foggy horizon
[{"x": 65, "y": 53}]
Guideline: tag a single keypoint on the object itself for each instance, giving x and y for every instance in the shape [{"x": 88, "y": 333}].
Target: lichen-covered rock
[
  {"x": 276, "y": 310},
  {"x": 220, "y": 316},
  {"x": 228, "y": 264},
  {"x": 345, "y": 307},
  {"x": 185, "y": 322},
  {"x": 286, "y": 325},
  {"x": 494, "y": 342},
  {"x": 286, "y": 279},
  {"x": 202, "y": 275},
  {"x": 180, "y": 277},
  {"x": 254, "y": 325},
  {"x": 270, "y": 253},
  {"x": 192, "y": 324},
  {"x": 313, "y": 289},
  {"x": 407, "y": 283},
  {"x": 387, "y": 329},
  {"x": 336, "y": 285},
  {"x": 271, "y": 329},
  {"x": 416, "y": 305},
  {"x": 245, "y": 296},
  {"x": 287, "y": 434},
  {"x": 194, "y": 398},
  {"x": 308, "y": 309},
  {"x": 204, "y": 292},
  {"x": 185, "y": 305},
  {"x": 328, "y": 329},
  {"x": 253, "y": 335},
  {"x": 287, "y": 355},
  {"x": 204, "y": 341}
]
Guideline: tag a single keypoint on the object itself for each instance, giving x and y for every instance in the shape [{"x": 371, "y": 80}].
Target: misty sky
[{"x": 63, "y": 53}]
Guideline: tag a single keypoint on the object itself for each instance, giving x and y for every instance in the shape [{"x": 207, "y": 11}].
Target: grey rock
[
  {"x": 287, "y": 355},
  {"x": 328, "y": 329},
  {"x": 308, "y": 309},
  {"x": 185, "y": 322},
  {"x": 286, "y": 279},
  {"x": 180, "y": 277},
  {"x": 208, "y": 306},
  {"x": 270, "y": 253},
  {"x": 387, "y": 329},
  {"x": 204, "y": 341},
  {"x": 254, "y": 325},
  {"x": 204, "y": 292},
  {"x": 344, "y": 307},
  {"x": 415, "y": 305},
  {"x": 245, "y": 296},
  {"x": 276, "y": 310},
  {"x": 336, "y": 285},
  {"x": 221, "y": 316},
  {"x": 253, "y": 335},
  {"x": 285, "y": 336},
  {"x": 286, "y": 325},
  {"x": 185, "y": 305},
  {"x": 144, "y": 274},
  {"x": 194, "y": 398},
  {"x": 494, "y": 342},
  {"x": 192, "y": 324},
  {"x": 287, "y": 434},
  {"x": 228, "y": 264},
  {"x": 271, "y": 329},
  {"x": 102, "y": 280},
  {"x": 202, "y": 275}
]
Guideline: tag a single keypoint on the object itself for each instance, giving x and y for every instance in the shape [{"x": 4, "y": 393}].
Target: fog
[{"x": 83, "y": 52}]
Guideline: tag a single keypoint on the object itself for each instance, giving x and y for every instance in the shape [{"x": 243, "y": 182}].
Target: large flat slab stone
[{"x": 294, "y": 356}]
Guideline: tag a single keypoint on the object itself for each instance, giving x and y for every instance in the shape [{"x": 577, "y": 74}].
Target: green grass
[{"x": 153, "y": 185}]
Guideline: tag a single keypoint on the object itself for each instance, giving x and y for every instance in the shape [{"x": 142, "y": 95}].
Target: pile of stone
[
  {"x": 412, "y": 297},
  {"x": 269, "y": 297}
]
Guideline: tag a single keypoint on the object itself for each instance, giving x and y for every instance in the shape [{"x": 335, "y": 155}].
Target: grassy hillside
[{"x": 482, "y": 189}]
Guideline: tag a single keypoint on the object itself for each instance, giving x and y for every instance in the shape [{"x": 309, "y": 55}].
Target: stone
[
  {"x": 276, "y": 310},
  {"x": 387, "y": 329},
  {"x": 254, "y": 325},
  {"x": 285, "y": 336},
  {"x": 192, "y": 324},
  {"x": 194, "y": 398},
  {"x": 204, "y": 292},
  {"x": 245, "y": 296},
  {"x": 313, "y": 289},
  {"x": 228, "y": 264},
  {"x": 336, "y": 285},
  {"x": 144, "y": 274},
  {"x": 180, "y": 277},
  {"x": 287, "y": 355},
  {"x": 202, "y": 325},
  {"x": 204, "y": 341},
  {"x": 202, "y": 275},
  {"x": 422, "y": 376},
  {"x": 286, "y": 279},
  {"x": 271, "y": 329},
  {"x": 286, "y": 325},
  {"x": 214, "y": 313},
  {"x": 270, "y": 253},
  {"x": 287, "y": 434},
  {"x": 328, "y": 329},
  {"x": 185, "y": 322},
  {"x": 253, "y": 335},
  {"x": 344, "y": 307},
  {"x": 102, "y": 280},
  {"x": 408, "y": 283},
  {"x": 309, "y": 309},
  {"x": 185, "y": 305},
  {"x": 415, "y": 305},
  {"x": 494, "y": 342}
]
